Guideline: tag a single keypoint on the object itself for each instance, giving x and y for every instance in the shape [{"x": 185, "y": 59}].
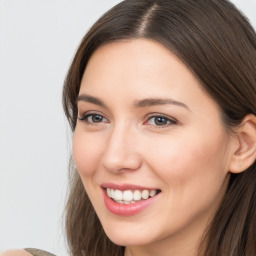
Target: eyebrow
[
  {"x": 159, "y": 101},
  {"x": 138, "y": 103},
  {"x": 91, "y": 99}
]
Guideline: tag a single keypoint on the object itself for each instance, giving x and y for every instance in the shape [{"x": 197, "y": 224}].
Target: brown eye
[
  {"x": 93, "y": 118},
  {"x": 160, "y": 121},
  {"x": 96, "y": 118}
]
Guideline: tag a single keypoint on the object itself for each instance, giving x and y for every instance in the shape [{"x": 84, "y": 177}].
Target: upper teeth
[{"x": 129, "y": 195}]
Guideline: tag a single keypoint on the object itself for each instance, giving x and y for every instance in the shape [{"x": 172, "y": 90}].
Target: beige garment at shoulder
[{"x": 37, "y": 252}]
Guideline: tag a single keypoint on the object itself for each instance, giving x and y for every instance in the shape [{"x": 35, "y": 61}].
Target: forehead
[{"x": 143, "y": 60}]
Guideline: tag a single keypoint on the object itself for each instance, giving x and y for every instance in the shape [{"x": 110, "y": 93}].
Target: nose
[{"x": 121, "y": 153}]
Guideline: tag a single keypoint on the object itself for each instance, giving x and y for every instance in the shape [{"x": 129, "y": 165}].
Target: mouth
[
  {"x": 130, "y": 196},
  {"x": 128, "y": 200}
]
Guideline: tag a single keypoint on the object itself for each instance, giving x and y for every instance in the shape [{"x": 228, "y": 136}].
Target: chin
[
  {"x": 130, "y": 237},
  {"x": 128, "y": 241}
]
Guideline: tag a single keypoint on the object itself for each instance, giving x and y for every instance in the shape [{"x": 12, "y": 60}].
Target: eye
[
  {"x": 93, "y": 118},
  {"x": 160, "y": 121}
]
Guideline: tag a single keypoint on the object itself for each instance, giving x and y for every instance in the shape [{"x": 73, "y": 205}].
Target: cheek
[
  {"x": 193, "y": 175},
  {"x": 196, "y": 159},
  {"x": 86, "y": 152}
]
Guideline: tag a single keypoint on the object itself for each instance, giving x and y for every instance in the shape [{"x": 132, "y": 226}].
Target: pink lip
[{"x": 127, "y": 209}]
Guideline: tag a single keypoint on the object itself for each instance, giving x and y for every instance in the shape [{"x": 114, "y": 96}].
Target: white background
[{"x": 38, "y": 39}]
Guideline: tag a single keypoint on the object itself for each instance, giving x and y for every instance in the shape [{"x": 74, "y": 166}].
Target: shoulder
[
  {"x": 15, "y": 253},
  {"x": 26, "y": 252}
]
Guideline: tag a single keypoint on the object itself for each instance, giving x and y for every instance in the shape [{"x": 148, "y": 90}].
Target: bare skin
[{"x": 15, "y": 253}]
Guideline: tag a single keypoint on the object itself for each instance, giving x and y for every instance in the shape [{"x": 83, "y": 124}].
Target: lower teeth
[{"x": 126, "y": 202}]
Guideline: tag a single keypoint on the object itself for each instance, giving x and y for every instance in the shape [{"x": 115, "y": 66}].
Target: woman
[{"x": 161, "y": 99}]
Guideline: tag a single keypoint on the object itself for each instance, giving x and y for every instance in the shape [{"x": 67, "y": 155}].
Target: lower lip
[{"x": 127, "y": 209}]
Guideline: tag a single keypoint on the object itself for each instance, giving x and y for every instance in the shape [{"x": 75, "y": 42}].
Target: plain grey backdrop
[{"x": 38, "y": 39}]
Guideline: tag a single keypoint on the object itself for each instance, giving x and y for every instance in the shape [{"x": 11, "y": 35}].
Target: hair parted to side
[{"x": 216, "y": 42}]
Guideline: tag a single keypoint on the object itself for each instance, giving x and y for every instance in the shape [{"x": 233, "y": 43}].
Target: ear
[{"x": 244, "y": 150}]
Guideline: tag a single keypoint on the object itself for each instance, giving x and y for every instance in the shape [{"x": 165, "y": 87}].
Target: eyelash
[
  {"x": 91, "y": 115},
  {"x": 168, "y": 121}
]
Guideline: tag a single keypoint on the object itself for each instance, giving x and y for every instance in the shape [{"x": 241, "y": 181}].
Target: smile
[
  {"x": 130, "y": 196},
  {"x": 128, "y": 200}
]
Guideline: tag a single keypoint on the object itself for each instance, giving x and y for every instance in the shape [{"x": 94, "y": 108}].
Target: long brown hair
[{"x": 217, "y": 43}]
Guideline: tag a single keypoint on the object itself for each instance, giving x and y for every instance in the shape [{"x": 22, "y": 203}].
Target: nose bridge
[{"x": 121, "y": 152}]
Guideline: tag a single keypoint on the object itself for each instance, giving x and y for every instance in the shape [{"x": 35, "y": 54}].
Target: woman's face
[{"x": 148, "y": 130}]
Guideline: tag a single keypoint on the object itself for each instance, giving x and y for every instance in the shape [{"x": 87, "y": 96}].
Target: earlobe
[{"x": 244, "y": 153}]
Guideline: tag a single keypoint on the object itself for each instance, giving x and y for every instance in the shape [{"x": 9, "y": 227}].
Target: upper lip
[{"x": 126, "y": 187}]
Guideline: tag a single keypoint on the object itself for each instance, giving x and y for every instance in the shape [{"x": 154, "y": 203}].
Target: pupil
[
  {"x": 160, "y": 120},
  {"x": 97, "y": 118}
]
